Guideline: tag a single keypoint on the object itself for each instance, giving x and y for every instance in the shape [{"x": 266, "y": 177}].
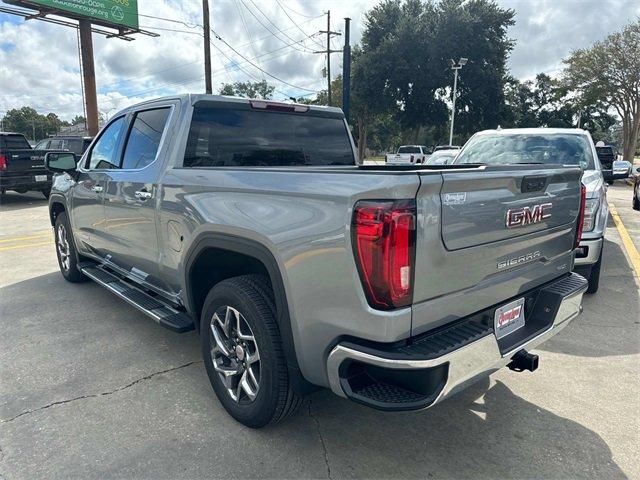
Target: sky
[{"x": 39, "y": 61}]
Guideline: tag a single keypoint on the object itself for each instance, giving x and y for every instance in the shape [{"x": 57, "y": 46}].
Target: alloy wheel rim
[
  {"x": 63, "y": 247},
  {"x": 235, "y": 354}
]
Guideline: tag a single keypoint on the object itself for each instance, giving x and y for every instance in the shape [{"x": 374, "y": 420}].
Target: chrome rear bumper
[{"x": 457, "y": 368}]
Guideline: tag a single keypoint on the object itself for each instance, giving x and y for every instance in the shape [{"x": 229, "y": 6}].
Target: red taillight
[
  {"x": 383, "y": 237},
  {"x": 3, "y": 162},
  {"x": 583, "y": 204}
]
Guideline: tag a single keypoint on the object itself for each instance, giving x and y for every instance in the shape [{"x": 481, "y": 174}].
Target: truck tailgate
[
  {"x": 505, "y": 204},
  {"x": 482, "y": 237},
  {"x": 25, "y": 161}
]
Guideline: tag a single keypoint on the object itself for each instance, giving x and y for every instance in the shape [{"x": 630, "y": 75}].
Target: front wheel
[
  {"x": 66, "y": 251},
  {"x": 243, "y": 354}
]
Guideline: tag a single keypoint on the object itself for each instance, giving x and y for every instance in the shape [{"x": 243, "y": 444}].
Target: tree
[
  {"x": 403, "y": 65},
  {"x": 249, "y": 89},
  {"x": 609, "y": 71},
  {"x": 477, "y": 30},
  {"x": 78, "y": 120},
  {"x": 29, "y": 122}
]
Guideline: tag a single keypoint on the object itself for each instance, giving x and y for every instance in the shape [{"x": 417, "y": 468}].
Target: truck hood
[{"x": 593, "y": 181}]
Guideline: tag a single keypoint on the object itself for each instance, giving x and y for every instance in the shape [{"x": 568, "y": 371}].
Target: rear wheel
[
  {"x": 66, "y": 251},
  {"x": 243, "y": 354}
]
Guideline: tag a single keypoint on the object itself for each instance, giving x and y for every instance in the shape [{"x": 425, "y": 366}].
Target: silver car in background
[{"x": 563, "y": 146}]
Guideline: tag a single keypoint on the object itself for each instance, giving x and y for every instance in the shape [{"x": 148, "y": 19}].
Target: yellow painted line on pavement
[
  {"x": 17, "y": 239},
  {"x": 631, "y": 249},
  {"x": 15, "y": 247}
]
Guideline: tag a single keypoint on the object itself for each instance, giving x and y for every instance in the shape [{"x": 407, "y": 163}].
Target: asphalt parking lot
[{"x": 91, "y": 388}]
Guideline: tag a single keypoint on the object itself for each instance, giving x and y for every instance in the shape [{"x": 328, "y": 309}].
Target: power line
[
  {"x": 246, "y": 29},
  {"x": 256, "y": 66},
  {"x": 266, "y": 27},
  {"x": 302, "y": 14},
  {"x": 171, "y": 30},
  {"x": 296, "y": 24},
  {"x": 235, "y": 67},
  {"x": 188, "y": 25},
  {"x": 272, "y": 22}
]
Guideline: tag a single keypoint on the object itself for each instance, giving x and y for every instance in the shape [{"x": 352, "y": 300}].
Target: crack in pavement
[
  {"x": 324, "y": 446},
  {"x": 102, "y": 394}
]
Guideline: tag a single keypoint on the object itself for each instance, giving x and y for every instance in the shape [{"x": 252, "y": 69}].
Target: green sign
[{"x": 118, "y": 13}]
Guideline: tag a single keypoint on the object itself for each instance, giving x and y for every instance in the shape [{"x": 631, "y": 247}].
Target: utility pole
[
  {"x": 455, "y": 67},
  {"x": 328, "y": 52},
  {"x": 88, "y": 76},
  {"x": 346, "y": 70},
  {"x": 207, "y": 46}
]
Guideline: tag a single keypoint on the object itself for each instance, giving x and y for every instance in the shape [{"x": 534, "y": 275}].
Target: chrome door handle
[
  {"x": 142, "y": 195},
  {"x": 96, "y": 188}
]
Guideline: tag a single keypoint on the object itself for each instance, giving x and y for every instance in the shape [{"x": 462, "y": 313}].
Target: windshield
[
  {"x": 441, "y": 157},
  {"x": 409, "y": 150},
  {"x": 545, "y": 148}
]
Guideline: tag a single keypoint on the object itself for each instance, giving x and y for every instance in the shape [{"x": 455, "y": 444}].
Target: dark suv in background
[
  {"x": 72, "y": 143},
  {"x": 607, "y": 154}
]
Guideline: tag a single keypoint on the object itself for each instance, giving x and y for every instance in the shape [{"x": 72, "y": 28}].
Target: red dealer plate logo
[{"x": 509, "y": 318}]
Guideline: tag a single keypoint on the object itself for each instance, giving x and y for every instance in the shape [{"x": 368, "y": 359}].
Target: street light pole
[{"x": 455, "y": 67}]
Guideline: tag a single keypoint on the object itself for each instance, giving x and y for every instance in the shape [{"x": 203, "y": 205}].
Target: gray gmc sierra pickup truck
[{"x": 252, "y": 222}]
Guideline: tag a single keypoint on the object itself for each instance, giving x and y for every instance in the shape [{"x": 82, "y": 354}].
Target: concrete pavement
[{"x": 91, "y": 388}]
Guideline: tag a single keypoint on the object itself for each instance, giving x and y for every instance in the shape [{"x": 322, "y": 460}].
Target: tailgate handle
[{"x": 533, "y": 184}]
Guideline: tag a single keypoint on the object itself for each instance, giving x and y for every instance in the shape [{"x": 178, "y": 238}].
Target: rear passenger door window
[{"x": 144, "y": 138}]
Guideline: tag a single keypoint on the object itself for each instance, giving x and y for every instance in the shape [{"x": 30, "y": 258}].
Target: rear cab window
[
  {"x": 14, "y": 142},
  {"x": 241, "y": 136},
  {"x": 409, "y": 150}
]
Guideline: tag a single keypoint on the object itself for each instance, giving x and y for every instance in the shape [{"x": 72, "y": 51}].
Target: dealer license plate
[
  {"x": 41, "y": 178},
  {"x": 509, "y": 318}
]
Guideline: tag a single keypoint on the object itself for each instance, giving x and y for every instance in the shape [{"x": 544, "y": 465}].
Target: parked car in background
[
  {"x": 394, "y": 287},
  {"x": 408, "y": 155},
  {"x": 607, "y": 154},
  {"x": 553, "y": 146},
  {"x": 442, "y": 157},
  {"x": 21, "y": 167},
  {"x": 636, "y": 188},
  {"x": 621, "y": 169},
  {"x": 447, "y": 147},
  {"x": 71, "y": 143}
]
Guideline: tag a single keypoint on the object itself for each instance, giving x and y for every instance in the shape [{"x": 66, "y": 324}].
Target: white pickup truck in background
[{"x": 408, "y": 155}]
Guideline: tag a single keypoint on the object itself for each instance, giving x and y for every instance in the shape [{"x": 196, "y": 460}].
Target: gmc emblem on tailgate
[{"x": 520, "y": 217}]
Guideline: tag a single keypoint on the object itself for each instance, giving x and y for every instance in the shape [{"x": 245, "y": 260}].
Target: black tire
[
  {"x": 66, "y": 251},
  {"x": 636, "y": 202},
  {"x": 594, "y": 276},
  {"x": 46, "y": 192},
  {"x": 609, "y": 182},
  {"x": 252, "y": 297}
]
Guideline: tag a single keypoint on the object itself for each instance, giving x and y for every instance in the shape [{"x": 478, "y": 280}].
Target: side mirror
[
  {"x": 636, "y": 170},
  {"x": 60, "y": 162}
]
